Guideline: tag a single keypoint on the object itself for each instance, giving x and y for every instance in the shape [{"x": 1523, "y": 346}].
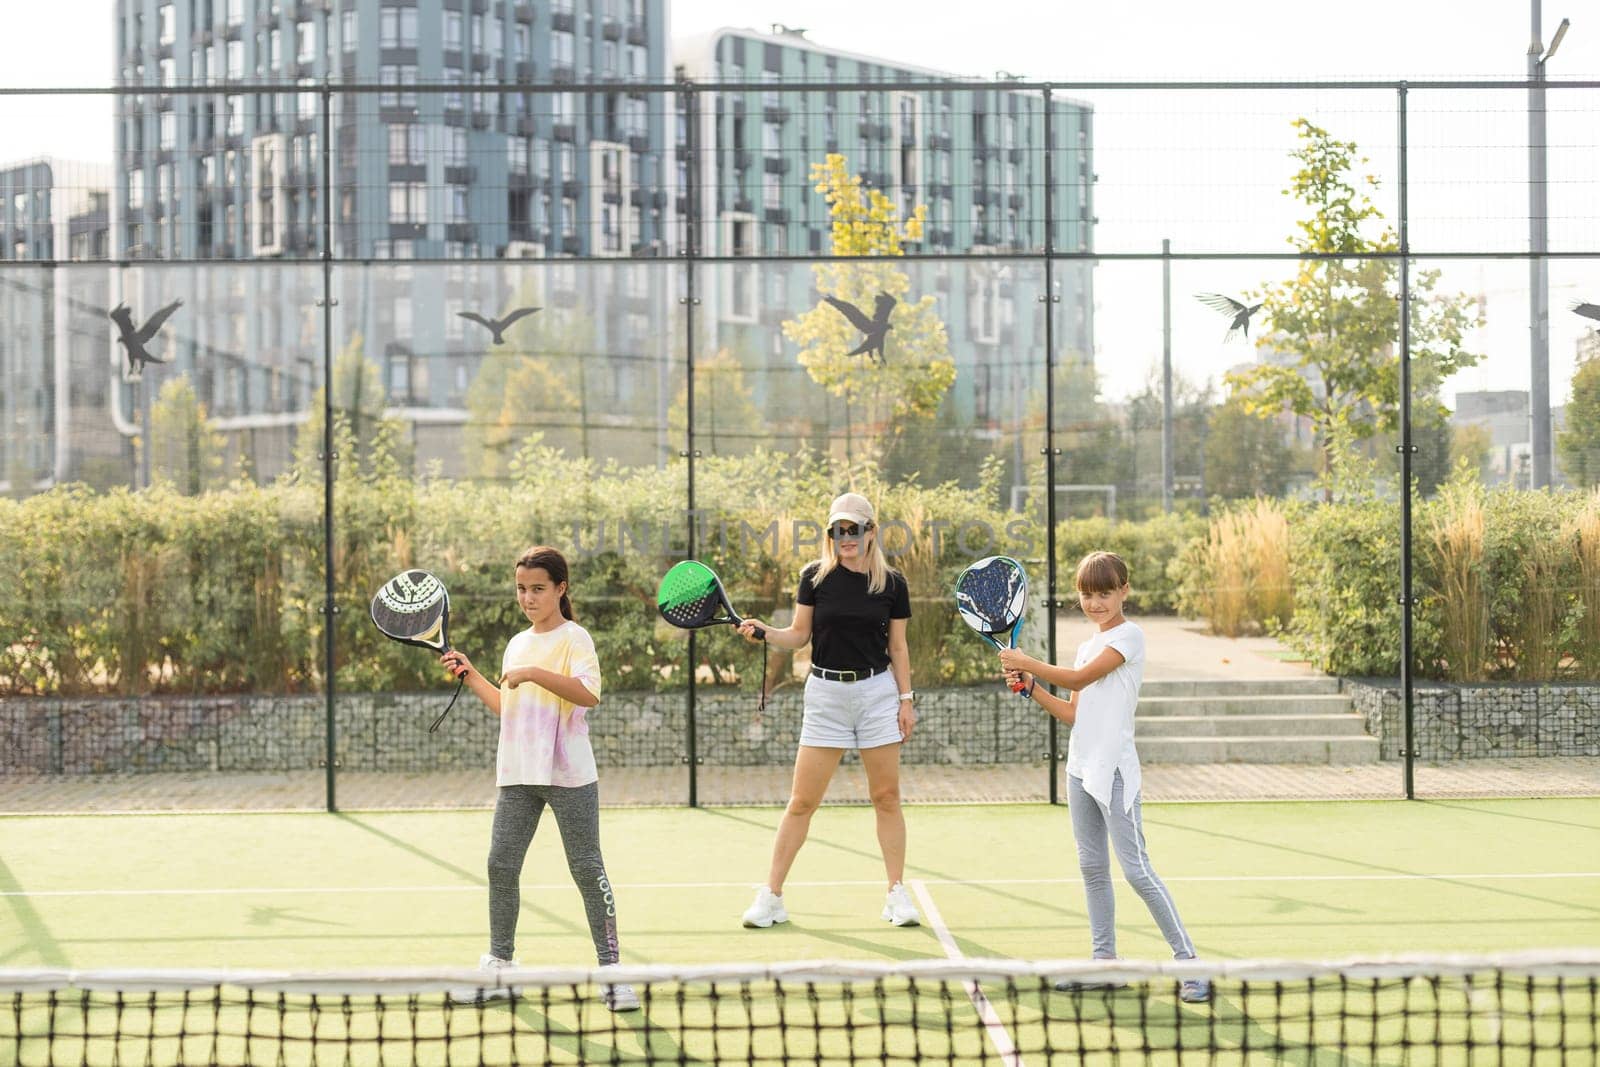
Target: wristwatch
[{"x": 910, "y": 695}]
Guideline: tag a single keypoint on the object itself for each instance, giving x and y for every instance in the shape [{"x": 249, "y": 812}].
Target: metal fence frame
[{"x": 691, "y": 94}]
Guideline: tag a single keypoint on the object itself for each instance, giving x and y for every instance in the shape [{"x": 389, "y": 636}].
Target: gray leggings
[
  {"x": 1091, "y": 823},
  {"x": 516, "y": 817}
]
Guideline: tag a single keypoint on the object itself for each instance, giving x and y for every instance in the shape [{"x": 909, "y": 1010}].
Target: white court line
[
  {"x": 999, "y": 1036},
  {"x": 553, "y": 886}
]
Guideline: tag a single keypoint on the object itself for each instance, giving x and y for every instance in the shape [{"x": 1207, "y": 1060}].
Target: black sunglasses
[{"x": 846, "y": 529}]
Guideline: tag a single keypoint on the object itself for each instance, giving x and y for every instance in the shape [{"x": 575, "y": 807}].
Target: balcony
[
  {"x": 611, "y": 28},
  {"x": 525, "y": 125},
  {"x": 461, "y": 231},
  {"x": 571, "y": 188},
  {"x": 562, "y": 73},
  {"x": 481, "y": 120},
  {"x": 636, "y": 35},
  {"x": 524, "y": 71},
  {"x": 639, "y": 142},
  {"x": 522, "y": 10},
  {"x": 743, "y": 205},
  {"x": 775, "y": 113},
  {"x": 563, "y": 19},
  {"x": 564, "y": 131},
  {"x": 742, "y": 160},
  {"x": 939, "y": 142},
  {"x": 480, "y": 61},
  {"x": 778, "y": 215},
  {"x": 572, "y": 246},
  {"x": 1014, "y": 155},
  {"x": 776, "y": 165},
  {"x": 461, "y": 174},
  {"x": 201, "y": 38}
]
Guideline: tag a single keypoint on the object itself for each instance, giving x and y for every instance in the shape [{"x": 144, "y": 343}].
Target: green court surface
[{"x": 308, "y": 892}]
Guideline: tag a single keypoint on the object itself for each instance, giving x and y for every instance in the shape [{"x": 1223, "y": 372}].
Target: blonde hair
[{"x": 878, "y": 569}]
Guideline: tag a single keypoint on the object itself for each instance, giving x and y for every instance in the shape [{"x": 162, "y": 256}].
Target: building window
[
  {"x": 457, "y": 156},
  {"x": 562, "y": 48},
  {"x": 305, "y": 37},
  {"x": 348, "y": 34},
  {"x": 405, "y": 144},
  {"x": 408, "y": 202},
  {"x": 452, "y": 31},
  {"x": 458, "y": 204},
  {"x": 235, "y": 60},
  {"x": 167, "y": 21}
]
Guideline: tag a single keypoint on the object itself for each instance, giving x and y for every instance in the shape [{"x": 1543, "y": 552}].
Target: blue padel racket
[
  {"x": 413, "y": 608},
  {"x": 992, "y": 597}
]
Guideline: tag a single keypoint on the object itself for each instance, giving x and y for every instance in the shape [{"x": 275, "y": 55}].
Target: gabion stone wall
[
  {"x": 389, "y": 732},
  {"x": 1454, "y": 722}
]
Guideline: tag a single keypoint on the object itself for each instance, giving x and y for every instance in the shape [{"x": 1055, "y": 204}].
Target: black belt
[{"x": 845, "y": 676}]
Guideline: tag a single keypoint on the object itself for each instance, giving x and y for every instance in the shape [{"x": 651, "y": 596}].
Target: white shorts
[{"x": 864, "y": 714}]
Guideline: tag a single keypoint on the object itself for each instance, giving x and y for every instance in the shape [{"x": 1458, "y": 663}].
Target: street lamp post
[{"x": 1538, "y": 245}]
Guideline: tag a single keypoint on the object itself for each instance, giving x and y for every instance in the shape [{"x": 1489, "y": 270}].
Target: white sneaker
[
  {"x": 490, "y": 967},
  {"x": 767, "y": 909},
  {"x": 898, "y": 909},
  {"x": 619, "y": 997}
]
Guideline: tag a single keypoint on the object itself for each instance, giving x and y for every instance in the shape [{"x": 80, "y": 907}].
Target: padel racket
[
  {"x": 992, "y": 597},
  {"x": 691, "y": 597},
  {"x": 413, "y": 608}
]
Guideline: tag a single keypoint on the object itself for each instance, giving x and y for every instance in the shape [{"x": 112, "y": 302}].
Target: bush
[{"x": 1150, "y": 548}]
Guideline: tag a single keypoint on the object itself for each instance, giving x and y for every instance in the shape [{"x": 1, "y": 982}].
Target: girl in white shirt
[
  {"x": 1103, "y": 775},
  {"x": 549, "y": 683}
]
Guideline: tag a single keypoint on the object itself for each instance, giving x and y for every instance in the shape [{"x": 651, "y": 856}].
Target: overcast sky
[{"x": 1203, "y": 169}]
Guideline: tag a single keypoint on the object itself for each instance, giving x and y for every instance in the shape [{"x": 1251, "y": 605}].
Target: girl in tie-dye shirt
[{"x": 549, "y": 683}]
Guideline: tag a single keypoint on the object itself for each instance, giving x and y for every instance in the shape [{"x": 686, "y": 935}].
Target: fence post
[{"x": 1407, "y": 450}]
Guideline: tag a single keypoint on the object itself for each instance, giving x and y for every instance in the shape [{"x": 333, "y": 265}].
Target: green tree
[
  {"x": 1471, "y": 445},
  {"x": 184, "y": 450},
  {"x": 1338, "y": 320},
  {"x": 1578, "y": 444},
  {"x": 1246, "y": 454},
  {"x": 725, "y": 415},
  {"x": 916, "y": 370},
  {"x": 538, "y": 388},
  {"x": 1191, "y": 405},
  {"x": 367, "y": 442}
]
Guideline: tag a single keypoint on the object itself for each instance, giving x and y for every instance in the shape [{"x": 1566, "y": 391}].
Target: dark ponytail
[{"x": 553, "y": 563}]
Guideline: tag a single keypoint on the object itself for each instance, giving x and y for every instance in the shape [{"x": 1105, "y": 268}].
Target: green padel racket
[{"x": 691, "y": 597}]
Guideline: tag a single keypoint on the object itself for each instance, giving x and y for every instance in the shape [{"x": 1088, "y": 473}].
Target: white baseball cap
[{"x": 851, "y": 507}]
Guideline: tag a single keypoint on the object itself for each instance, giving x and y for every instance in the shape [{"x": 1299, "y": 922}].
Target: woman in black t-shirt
[{"x": 852, "y": 606}]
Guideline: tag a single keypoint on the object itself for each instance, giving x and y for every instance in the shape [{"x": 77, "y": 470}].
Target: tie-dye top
[{"x": 544, "y": 740}]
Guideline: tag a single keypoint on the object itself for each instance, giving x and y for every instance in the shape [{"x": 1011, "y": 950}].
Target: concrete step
[
  {"x": 1290, "y": 704},
  {"x": 1332, "y": 750},
  {"x": 1214, "y": 687},
  {"x": 1178, "y": 726}
]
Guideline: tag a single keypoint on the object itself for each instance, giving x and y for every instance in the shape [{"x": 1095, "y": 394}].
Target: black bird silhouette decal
[
  {"x": 1588, "y": 311},
  {"x": 1239, "y": 313},
  {"x": 873, "y": 329},
  {"x": 134, "y": 338},
  {"x": 497, "y": 326}
]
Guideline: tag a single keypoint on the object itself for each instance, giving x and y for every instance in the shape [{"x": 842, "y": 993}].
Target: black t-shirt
[{"x": 849, "y": 626}]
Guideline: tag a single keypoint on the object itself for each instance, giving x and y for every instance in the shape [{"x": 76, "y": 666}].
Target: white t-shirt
[
  {"x": 1102, "y": 736},
  {"x": 544, "y": 740}
]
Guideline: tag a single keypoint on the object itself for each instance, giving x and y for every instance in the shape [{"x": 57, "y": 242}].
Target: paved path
[{"x": 1181, "y": 649}]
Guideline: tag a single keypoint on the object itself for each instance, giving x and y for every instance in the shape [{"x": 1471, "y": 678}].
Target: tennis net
[{"x": 1512, "y": 1009}]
